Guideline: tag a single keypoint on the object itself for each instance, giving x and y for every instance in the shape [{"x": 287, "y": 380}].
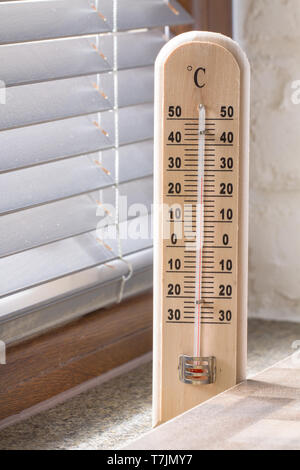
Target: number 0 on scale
[{"x": 201, "y": 221}]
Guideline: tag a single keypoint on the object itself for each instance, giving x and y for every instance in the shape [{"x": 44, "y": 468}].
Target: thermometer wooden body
[{"x": 201, "y": 221}]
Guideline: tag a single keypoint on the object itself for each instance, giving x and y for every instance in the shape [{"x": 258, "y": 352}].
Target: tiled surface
[
  {"x": 260, "y": 414},
  {"x": 116, "y": 413}
]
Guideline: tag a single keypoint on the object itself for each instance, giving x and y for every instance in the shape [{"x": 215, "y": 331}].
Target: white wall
[{"x": 269, "y": 31}]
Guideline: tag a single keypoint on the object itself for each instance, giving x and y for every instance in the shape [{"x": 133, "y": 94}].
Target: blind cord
[
  {"x": 126, "y": 277},
  {"x": 99, "y": 114}
]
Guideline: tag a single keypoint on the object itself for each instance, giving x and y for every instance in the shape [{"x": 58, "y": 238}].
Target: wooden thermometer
[{"x": 201, "y": 221}]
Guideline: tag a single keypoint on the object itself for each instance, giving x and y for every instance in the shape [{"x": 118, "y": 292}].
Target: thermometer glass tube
[{"x": 200, "y": 232}]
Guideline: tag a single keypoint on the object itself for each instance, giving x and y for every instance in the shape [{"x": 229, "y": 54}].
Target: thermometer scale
[{"x": 201, "y": 221}]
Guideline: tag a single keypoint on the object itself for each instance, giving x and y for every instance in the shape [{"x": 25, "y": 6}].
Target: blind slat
[
  {"x": 67, "y": 218},
  {"x": 43, "y": 304},
  {"x": 64, "y": 257},
  {"x": 32, "y": 21},
  {"x": 49, "y": 60},
  {"x": 60, "y": 99},
  {"x": 66, "y": 178},
  {"x": 57, "y": 140}
]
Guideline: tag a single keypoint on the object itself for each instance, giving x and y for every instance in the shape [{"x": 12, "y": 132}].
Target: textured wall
[{"x": 269, "y": 31}]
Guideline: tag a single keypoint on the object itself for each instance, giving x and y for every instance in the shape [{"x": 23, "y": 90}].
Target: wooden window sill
[{"x": 61, "y": 359}]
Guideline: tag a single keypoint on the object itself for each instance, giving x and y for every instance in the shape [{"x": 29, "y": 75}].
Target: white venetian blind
[{"x": 76, "y": 135}]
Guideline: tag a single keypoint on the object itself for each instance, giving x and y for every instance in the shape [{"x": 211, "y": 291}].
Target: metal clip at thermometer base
[
  {"x": 197, "y": 370},
  {"x": 201, "y": 138}
]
